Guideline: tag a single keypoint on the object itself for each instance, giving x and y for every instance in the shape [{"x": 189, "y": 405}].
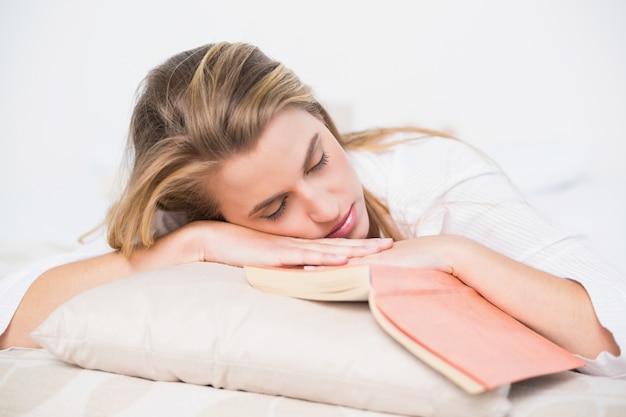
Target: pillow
[{"x": 203, "y": 324}]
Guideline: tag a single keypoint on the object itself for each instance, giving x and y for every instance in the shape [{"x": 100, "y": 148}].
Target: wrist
[
  {"x": 179, "y": 247},
  {"x": 459, "y": 253},
  {"x": 197, "y": 241}
]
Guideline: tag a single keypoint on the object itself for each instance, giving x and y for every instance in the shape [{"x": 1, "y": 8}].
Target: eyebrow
[{"x": 307, "y": 161}]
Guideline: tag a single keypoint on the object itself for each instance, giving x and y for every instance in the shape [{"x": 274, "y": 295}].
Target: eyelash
[
  {"x": 323, "y": 161},
  {"x": 283, "y": 205},
  {"x": 276, "y": 215}
]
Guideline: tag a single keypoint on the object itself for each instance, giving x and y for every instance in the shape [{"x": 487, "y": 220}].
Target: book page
[{"x": 345, "y": 283}]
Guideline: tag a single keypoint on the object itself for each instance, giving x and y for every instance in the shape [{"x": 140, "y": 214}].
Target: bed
[
  {"x": 294, "y": 368},
  {"x": 186, "y": 345},
  {"x": 34, "y": 383}
]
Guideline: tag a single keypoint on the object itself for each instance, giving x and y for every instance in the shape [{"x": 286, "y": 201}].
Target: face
[{"x": 296, "y": 182}]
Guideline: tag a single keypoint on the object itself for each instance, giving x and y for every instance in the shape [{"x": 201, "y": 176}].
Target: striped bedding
[{"x": 35, "y": 384}]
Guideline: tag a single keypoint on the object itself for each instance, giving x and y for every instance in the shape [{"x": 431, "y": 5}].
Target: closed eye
[
  {"x": 279, "y": 212},
  {"x": 323, "y": 161}
]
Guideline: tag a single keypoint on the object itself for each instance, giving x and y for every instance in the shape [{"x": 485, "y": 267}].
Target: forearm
[
  {"x": 196, "y": 242},
  {"x": 558, "y": 308},
  {"x": 61, "y": 283}
]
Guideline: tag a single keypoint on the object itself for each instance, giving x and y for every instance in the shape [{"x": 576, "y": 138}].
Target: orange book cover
[
  {"x": 456, "y": 325},
  {"x": 435, "y": 316}
]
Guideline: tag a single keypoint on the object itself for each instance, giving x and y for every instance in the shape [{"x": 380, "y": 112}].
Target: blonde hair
[{"x": 196, "y": 110}]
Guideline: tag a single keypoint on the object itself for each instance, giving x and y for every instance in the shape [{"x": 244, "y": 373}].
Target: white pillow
[{"x": 203, "y": 324}]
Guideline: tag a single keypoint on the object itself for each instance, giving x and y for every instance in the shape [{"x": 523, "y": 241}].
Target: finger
[
  {"x": 383, "y": 243},
  {"x": 361, "y": 247},
  {"x": 299, "y": 257},
  {"x": 349, "y": 251}
]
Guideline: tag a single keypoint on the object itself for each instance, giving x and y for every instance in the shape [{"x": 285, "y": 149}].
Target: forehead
[
  {"x": 283, "y": 142},
  {"x": 269, "y": 167}
]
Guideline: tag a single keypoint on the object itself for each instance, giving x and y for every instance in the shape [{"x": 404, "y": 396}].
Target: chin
[{"x": 361, "y": 230}]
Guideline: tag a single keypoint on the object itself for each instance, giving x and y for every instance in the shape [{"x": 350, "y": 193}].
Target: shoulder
[
  {"x": 165, "y": 222},
  {"x": 418, "y": 179},
  {"x": 419, "y": 162}
]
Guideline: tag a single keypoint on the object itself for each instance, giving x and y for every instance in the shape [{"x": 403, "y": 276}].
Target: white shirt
[{"x": 443, "y": 186}]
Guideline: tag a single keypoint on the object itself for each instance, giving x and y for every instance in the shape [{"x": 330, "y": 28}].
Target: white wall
[{"x": 539, "y": 84}]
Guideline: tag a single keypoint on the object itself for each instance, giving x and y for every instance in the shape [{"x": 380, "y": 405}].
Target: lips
[{"x": 345, "y": 226}]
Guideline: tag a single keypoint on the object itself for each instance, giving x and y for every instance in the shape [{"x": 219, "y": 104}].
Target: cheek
[
  {"x": 289, "y": 226},
  {"x": 345, "y": 175}
]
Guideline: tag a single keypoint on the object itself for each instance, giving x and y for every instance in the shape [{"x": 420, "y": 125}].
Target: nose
[{"x": 322, "y": 205}]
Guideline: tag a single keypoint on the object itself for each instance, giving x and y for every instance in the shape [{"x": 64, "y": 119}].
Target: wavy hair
[{"x": 196, "y": 110}]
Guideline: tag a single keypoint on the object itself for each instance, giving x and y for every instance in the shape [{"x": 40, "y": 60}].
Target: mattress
[{"x": 34, "y": 382}]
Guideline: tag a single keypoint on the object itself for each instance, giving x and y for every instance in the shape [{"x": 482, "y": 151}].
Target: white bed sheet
[{"x": 35, "y": 384}]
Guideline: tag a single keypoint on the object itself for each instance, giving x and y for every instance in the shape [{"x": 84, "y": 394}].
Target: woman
[{"x": 234, "y": 161}]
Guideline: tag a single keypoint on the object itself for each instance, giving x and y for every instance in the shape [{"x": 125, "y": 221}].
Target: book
[{"x": 435, "y": 316}]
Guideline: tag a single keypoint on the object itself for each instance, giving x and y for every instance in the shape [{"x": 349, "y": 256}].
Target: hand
[
  {"x": 236, "y": 245},
  {"x": 428, "y": 252},
  {"x": 560, "y": 309}
]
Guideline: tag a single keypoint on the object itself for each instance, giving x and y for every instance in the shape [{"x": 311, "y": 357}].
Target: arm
[
  {"x": 195, "y": 242},
  {"x": 56, "y": 286},
  {"x": 60, "y": 283},
  {"x": 557, "y": 308},
  {"x": 444, "y": 187}
]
